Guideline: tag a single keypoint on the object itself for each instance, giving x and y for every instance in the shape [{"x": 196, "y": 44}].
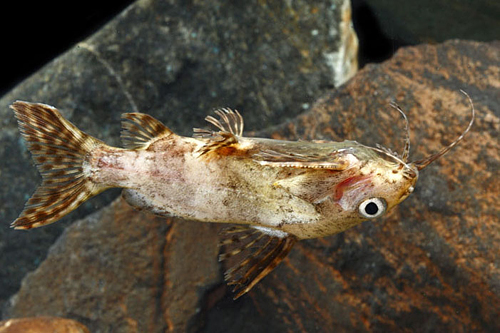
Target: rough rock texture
[
  {"x": 120, "y": 270},
  {"x": 42, "y": 324},
  {"x": 437, "y": 20},
  {"x": 433, "y": 264},
  {"x": 175, "y": 60}
]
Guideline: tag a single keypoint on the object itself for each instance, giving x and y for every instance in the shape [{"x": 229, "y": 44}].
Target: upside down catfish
[{"x": 278, "y": 191}]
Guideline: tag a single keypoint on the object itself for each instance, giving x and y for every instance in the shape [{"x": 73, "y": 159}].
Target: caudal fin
[{"x": 59, "y": 150}]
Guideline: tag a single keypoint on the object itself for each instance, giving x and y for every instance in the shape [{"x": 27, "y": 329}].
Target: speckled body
[
  {"x": 170, "y": 178},
  {"x": 281, "y": 191}
]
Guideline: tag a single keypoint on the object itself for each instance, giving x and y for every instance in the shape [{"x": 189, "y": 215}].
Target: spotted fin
[
  {"x": 230, "y": 125},
  {"x": 251, "y": 253},
  {"x": 59, "y": 150},
  {"x": 139, "y": 130}
]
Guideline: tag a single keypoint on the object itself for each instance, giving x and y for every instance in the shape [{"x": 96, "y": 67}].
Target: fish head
[
  {"x": 385, "y": 179},
  {"x": 395, "y": 180},
  {"x": 378, "y": 187}
]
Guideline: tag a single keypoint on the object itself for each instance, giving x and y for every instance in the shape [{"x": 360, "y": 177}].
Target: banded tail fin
[{"x": 59, "y": 150}]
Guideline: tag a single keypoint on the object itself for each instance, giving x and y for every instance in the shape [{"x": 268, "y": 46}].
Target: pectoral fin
[
  {"x": 305, "y": 155},
  {"x": 251, "y": 253}
]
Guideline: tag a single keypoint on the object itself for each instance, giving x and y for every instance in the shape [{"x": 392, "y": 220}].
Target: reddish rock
[
  {"x": 41, "y": 325},
  {"x": 433, "y": 264}
]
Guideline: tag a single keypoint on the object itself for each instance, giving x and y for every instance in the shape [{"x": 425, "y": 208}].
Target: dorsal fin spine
[{"x": 230, "y": 125}]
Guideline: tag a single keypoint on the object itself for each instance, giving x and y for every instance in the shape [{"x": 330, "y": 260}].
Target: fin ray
[
  {"x": 251, "y": 254},
  {"x": 300, "y": 154},
  {"x": 230, "y": 125},
  {"x": 59, "y": 149},
  {"x": 139, "y": 130},
  {"x": 279, "y": 159},
  {"x": 229, "y": 121}
]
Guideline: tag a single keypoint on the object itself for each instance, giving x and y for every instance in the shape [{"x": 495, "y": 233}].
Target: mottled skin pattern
[
  {"x": 285, "y": 190},
  {"x": 170, "y": 177},
  {"x": 302, "y": 189}
]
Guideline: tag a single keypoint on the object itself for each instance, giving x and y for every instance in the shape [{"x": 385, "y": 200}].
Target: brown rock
[
  {"x": 120, "y": 270},
  {"x": 433, "y": 264},
  {"x": 42, "y": 325}
]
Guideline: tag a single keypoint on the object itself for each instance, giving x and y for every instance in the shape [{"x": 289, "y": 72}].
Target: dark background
[{"x": 35, "y": 32}]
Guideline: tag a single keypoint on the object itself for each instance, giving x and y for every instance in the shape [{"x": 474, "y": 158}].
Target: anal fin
[{"x": 252, "y": 253}]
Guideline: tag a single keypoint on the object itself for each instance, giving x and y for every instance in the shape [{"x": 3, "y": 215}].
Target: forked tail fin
[{"x": 59, "y": 150}]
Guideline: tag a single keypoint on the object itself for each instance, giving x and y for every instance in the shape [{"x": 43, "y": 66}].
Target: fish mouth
[
  {"x": 411, "y": 172},
  {"x": 406, "y": 193}
]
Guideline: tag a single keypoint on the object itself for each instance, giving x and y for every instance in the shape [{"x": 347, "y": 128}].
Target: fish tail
[{"x": 59, "y": 150}]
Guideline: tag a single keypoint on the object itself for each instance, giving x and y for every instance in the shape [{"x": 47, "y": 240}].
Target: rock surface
[
  {"x": 42, "y": 324},
  {"x": 433, "y": 264},
  {"x": 175, "y": 61},
  {"x": 120, "y": 270}
]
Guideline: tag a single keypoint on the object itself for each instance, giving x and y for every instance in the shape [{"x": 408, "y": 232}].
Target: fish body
[
  {"x": 278, "y": 191},
  {"x": 169, "y": 177}
]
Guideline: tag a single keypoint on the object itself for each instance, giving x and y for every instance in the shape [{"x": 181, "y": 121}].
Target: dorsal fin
[
  {"x": 138, "y": 129},
  {"x": 250, "y": 253},
  {"x": 230, "y": 121},
  {"x": 230, "y": 125},
  {"x": 217, "y": 143}
]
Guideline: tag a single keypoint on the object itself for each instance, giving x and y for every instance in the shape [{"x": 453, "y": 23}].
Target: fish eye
[{"x": 372, "y": 208}]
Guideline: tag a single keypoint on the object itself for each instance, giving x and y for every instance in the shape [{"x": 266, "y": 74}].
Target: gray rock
[{"x": 176, "y": 61}]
